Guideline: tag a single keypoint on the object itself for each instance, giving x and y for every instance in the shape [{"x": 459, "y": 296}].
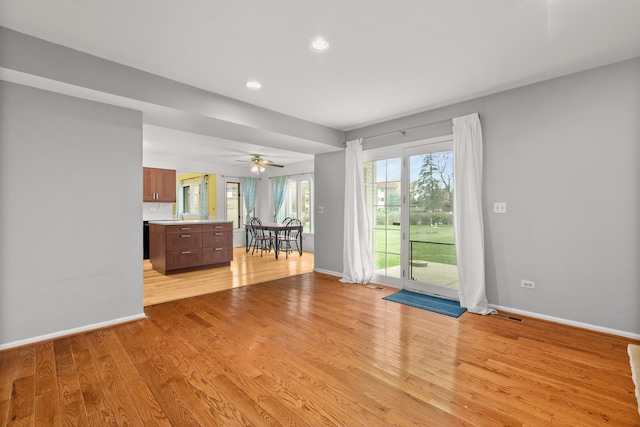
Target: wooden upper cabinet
[
  {"x": 148, "y": 188},
  {"x": 166, "y": 185},
  {"x": 159, "y": 185}
]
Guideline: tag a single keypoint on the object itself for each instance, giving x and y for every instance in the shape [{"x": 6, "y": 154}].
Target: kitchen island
[{"x": 179, "y": 246}]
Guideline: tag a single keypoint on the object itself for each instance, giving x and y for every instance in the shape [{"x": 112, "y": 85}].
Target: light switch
[
  {"x": 320, "y": 209},
  {"x": 499, "y": 207}
]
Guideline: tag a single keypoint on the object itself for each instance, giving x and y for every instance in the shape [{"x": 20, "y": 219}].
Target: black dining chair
[
  {"x": 281, "y": 233},
  {"x": 260, "y": 238},
  {"x": 290, "y": 237}
]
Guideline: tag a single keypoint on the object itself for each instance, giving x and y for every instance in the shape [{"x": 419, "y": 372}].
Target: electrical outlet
[
  {"x": 528, "y": 284},
  {"x": 499, "y": 207}
]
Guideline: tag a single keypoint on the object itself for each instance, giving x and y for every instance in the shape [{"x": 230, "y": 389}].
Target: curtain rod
[
  {"x": 295, "y": 174},
  {"x": 403, "y": 131},
  {"x": 229, "y": 176}
]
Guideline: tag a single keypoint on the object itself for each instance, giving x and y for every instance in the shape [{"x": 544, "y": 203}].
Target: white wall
[
  {"x": 564, "y": 155},
  {"x": 70, "y": 191},
  {"x": 157, "y": 211}
]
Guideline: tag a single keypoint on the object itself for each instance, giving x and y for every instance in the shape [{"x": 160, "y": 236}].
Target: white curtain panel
[
  {"x": 467, "y": 216},
  {"x": 357, "y": 262}
]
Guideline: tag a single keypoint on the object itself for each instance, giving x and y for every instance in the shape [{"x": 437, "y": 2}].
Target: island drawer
[
  {"x": 215, "y": 255},
  {"x": 184, "y": 259},
  {"x": 183, "y": 240},
  {"x": 184, "y": 228},
  {"x": 218, "y": 227},
  {"x": 217, "y": 238}
]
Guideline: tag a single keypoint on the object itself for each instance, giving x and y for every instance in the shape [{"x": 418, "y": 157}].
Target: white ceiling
[{"x": 386, "y": 59}]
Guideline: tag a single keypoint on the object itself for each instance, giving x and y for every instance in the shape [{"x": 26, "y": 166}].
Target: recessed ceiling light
[
  {"x": 253, "y": 84},
  {"x": 319, "y": 45}
]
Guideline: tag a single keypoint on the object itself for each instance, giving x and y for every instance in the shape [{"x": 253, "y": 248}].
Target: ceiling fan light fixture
[{"x": 257, "y": 164}]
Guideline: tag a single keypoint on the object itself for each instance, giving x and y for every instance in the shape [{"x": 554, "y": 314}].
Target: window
[
  {"x": 298, "y": 201},
  {"x": 305, "y": 204},
  {"x": 234, "y": 203},
  {"x": 235, "y": 208},
  {"x": 191, "y": 198}
]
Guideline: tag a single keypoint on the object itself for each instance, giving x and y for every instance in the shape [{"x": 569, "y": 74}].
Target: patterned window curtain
[
  {"x": 249, "y": 188},
  {"x": 204, "y": 197},
  {"x": 278, "y": 188}
]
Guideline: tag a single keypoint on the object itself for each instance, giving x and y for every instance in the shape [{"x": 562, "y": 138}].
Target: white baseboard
[
  {"x": 333, "y": 273},
  {"x": 72, "y": 331},
  {"x": 568, "y": 322}
]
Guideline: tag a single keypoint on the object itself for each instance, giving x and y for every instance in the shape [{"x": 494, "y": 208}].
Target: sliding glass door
[
  {"x": 410, "y": 204},
  {"x": 431, "y": 253},
  {"x": 382, "y": 192}
]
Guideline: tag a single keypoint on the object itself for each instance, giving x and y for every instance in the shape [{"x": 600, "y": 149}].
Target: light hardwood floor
[
  {"x": 245, "y": 269},
  {"x": 309, "y": 350}
]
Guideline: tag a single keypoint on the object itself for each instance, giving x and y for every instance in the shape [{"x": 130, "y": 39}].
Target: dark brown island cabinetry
[
  {"x": 190, "y": 245},
  {"x": 158, "y": 185}
]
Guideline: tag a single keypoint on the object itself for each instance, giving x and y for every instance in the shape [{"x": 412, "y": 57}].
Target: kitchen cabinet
[
  {"x": 159, "y": 185},
  {"x": 178, "y": 246}
]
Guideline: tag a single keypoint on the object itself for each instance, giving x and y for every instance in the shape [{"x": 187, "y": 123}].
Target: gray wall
[
  {"x": 564, "y": 156},
  {"x": 328, "y": 181},
  {"x": 70, "y": 191}
]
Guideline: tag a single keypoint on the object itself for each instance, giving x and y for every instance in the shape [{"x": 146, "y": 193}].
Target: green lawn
[{"x": 389, "y": 240}]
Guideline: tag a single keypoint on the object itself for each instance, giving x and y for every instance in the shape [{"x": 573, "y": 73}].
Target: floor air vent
[{"x": 507, "y": 317}]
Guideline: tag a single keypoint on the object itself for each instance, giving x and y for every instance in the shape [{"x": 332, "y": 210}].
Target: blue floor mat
[{"x": 427, "y": 302}]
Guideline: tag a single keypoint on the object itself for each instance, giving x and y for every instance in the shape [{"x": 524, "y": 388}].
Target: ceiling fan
[{"x": 257, "y": 163}]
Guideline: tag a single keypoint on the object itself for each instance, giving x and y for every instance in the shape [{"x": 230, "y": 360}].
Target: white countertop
[{"x": 179, "y": 221}]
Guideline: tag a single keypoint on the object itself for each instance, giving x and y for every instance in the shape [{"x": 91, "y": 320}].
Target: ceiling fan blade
[{"x": 269, "y": 163}]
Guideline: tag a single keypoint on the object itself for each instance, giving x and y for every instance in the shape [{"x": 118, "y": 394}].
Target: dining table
[{"x": 274, "y": 228}]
